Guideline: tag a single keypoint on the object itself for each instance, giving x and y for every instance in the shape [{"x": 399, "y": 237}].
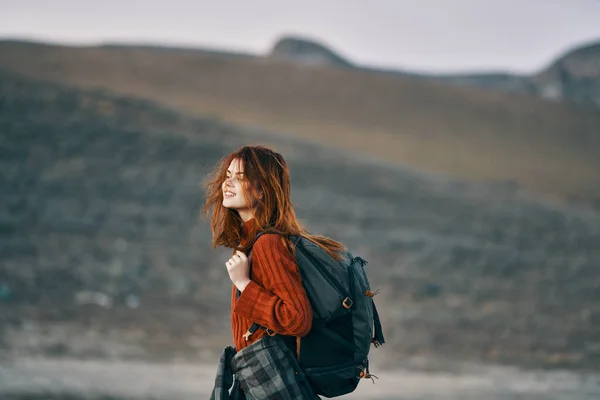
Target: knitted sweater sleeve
[{"x": 275, "y": 298}]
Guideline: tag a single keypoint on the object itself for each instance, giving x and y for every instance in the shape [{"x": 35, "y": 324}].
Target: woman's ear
[{"x": 258, "y": 192}]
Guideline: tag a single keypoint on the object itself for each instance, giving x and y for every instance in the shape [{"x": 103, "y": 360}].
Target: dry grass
[
  {"x": 101, "y": 193},
  {"x": 546, "y": 147}
]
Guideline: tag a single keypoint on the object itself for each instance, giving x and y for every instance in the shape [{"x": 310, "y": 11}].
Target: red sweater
[{"x": 275, "y": 297}]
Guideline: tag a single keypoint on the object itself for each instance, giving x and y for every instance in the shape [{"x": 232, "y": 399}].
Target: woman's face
[{"x": 235, "y": 191}]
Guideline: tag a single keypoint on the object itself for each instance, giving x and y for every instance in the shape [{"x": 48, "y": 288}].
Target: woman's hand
[{"x": 239, "y": 270}]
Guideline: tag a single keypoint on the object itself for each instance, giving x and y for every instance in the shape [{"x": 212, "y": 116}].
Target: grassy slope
[
  {"x": 101, "y": 193},
  {"x": 550, "y": 148}
]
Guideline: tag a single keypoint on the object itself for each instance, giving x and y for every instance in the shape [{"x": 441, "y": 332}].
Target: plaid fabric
[
  {"x": 225, "y": 389},
  {"x": 267, "y": 370}
]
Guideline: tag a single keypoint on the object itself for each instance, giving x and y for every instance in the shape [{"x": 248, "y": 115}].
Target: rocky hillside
[
  {"x": 572, "y": 77},
  {"x": 306, "y": 52},
  {"x": 102, "y": 253},
  {"x": 546, "y": 147}
]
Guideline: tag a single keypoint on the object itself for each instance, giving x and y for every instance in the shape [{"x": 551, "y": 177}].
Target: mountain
[
  {"x": 103, "y": 254},
  {"x": 548, "y": 148},
  {"x": 307, "y": 52},
  {"x": 573, "y": 77}
]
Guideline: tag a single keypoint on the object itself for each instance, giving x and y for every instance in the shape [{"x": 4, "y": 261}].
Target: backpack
[{"x": 334, "y": 354}]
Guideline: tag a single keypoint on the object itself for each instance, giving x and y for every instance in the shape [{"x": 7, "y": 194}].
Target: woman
[{"x": 248, "y": 193}]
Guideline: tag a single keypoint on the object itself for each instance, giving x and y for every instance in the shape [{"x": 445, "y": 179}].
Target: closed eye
[{"x": 239, "y": 174}]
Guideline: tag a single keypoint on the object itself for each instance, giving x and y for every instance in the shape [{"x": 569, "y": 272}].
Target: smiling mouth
[{"x": 229, "y": 194}]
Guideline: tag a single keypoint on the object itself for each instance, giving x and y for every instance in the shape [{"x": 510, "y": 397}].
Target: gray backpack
[{"x": 334, "y": 355}]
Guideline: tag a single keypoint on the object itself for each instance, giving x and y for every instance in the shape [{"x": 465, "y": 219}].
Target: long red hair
[{"x": 266, "y": 172}]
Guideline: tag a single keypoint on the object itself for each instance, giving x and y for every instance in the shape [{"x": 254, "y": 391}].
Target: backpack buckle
[
  {"x": 247, "y": 335},
  {"x": 347, "y": 303},
  {"x": 270, "y": 332}
]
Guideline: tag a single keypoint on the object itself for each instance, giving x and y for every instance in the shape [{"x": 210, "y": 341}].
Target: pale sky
[{"x": 420, "y": 35}]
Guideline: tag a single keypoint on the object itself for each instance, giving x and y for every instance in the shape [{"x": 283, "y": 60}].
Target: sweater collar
[{"x": 247, "y": 228}]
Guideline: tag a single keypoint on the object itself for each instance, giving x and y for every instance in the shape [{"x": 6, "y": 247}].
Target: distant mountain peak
[
  {"x": 574, "y": 76},
  {"x": 583, "y": 61},
  {"x": 585, "y": 50},
  {"x": 306, "y": 51}
]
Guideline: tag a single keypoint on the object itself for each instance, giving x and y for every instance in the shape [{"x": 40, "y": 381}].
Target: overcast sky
[{"x": 425, "y": 35}]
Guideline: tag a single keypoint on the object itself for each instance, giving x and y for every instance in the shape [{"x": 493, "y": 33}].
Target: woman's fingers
[
  {"x": 241, "y": 255},
  {"x": 235, "y": 260},
  {"x": 238, "y": 269}
]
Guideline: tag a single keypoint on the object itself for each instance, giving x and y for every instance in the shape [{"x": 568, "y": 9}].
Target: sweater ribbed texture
[{"x": 275, "y": 298}]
